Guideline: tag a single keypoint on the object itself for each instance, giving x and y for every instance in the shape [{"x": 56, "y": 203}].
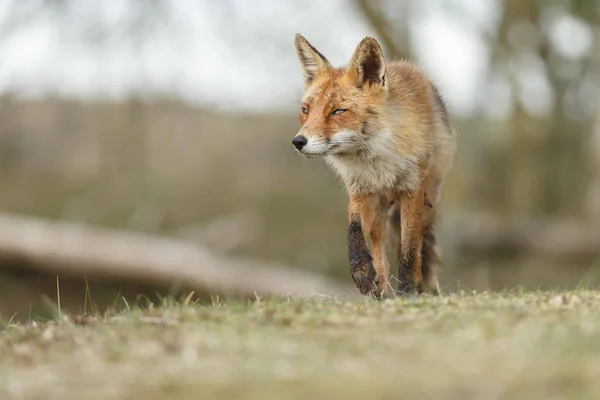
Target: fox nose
[{"x": 299, "y": 142}]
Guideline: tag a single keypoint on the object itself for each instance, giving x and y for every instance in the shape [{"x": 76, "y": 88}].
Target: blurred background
[{"x": 175, "y": 118}]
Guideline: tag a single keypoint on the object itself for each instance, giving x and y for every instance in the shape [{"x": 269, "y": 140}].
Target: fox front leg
[{"x": 361, "y": 263}]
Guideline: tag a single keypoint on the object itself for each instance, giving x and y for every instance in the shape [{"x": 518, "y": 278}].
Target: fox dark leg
[{"x": 361, "y": 261}]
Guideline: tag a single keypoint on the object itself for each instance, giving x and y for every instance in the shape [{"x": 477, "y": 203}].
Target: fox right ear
[{"x": 311, "y": 61}]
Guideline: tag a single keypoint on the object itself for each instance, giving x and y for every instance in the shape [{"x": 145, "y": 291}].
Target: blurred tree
[
  {"x": 545, "y": 159},
  {"x": 394, "y": 34},
  {"x": 541, "y": 165}
]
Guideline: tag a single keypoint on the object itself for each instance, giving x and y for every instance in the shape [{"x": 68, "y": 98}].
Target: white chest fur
[{"x": 376, "y": 168}]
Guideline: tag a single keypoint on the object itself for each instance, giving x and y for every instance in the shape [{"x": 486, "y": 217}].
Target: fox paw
[
  {"x": 368, "y": 282},
  {"x": 406, "y": 289},
  {"x": 365, "y": 279}
]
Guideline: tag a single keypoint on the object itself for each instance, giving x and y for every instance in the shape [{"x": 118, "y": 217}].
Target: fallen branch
[{"x": 67, "y": 248}]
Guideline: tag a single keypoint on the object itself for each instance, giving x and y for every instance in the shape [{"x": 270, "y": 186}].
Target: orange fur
[{"x": 384, "y": 130}]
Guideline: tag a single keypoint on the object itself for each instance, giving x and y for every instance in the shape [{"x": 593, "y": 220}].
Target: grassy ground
[{"x": 477, "y": 346}]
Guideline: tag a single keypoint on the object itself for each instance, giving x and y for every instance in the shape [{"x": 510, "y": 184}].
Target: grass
[{"x": 510, "y": 345}]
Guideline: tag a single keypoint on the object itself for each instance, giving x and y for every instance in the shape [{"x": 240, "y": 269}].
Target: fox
[{"x": 384, "y": 129}]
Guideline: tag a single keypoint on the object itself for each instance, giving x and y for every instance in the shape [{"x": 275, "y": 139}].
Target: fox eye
[
  {"x": 338, "y": 111},
  {"x": 304, "y": 110}
]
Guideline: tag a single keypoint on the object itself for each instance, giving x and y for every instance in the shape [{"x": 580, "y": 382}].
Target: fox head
[{"x": 339, "y": 106}]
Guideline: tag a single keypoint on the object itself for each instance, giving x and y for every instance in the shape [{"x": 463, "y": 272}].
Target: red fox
[{"x": 384, "y": 130}]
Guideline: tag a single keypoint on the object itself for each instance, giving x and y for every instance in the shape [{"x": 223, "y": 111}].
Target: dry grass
[{"x": 484, "y": 346}]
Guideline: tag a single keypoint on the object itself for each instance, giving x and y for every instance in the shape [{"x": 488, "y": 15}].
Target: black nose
[{"x": 299, "y": 142}]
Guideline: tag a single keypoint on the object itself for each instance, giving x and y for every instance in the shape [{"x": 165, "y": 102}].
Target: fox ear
[
  {"x": 367, "y": 63},
  {"x": 311, "y": 61}
]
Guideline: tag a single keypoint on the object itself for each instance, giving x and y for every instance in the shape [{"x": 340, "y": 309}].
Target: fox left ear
[{"x": 368, "y": 63}]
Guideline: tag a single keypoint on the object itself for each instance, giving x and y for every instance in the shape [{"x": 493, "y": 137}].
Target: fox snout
[
  {"x": 310, "y": 146},
  {"x": 299, "y": 142},
  {"x": 319, "y": 145}
]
